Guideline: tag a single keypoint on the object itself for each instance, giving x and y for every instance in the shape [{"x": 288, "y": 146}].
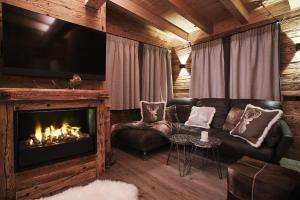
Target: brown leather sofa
[{"x": 275, "y": 145}]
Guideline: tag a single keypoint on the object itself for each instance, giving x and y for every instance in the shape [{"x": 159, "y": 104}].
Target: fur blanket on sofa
[{"x": 165, "y": 128}]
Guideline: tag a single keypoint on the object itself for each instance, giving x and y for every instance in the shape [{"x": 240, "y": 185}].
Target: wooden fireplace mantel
[
  {"x": 24, "y": 94},
  {"x": 49, "y": 179}
]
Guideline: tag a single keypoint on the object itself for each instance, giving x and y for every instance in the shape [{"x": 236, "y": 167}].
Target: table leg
[
  {"x": 190, "y": 159},
  {"x": 178, "y": 159},
  {"x": 205, "y": 156},
  {"x": 169, "y": 154},
  {"x": 220, "y": 167},
  {"x": 215, "y": 152}
]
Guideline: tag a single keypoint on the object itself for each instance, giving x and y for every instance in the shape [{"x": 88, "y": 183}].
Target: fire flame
[
  {"x": 50, "y": 133},
  {"x": 38, "y": 133}
]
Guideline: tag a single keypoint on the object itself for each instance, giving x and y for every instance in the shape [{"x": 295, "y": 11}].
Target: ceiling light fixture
[{"x": 294, "y": 4}]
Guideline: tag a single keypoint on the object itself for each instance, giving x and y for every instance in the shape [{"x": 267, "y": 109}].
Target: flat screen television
[{"x": 34, "y": 44}]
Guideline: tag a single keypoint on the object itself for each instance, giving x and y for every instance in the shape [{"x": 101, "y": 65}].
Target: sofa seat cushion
[
  {"x": 231, "y": 144},
  {"x": 239, "y": 146},
  {"x": 141, "y": 139},
  {"x": 222, "y": 108},
  {"x": 195, "y": 131},
  {"x": 265, "y": 104}
]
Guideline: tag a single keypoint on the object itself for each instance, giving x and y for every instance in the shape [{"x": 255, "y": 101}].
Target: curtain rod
[
  {"x": 229, "y": 34},
  {"x": 137, "y": 41}
]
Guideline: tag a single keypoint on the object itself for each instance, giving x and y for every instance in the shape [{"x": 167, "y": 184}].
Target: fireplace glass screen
[{"x": 46, "y": 136}]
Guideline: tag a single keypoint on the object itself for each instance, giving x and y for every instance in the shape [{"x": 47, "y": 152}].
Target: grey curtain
[
  {"x": 122, "y": 73},
  {"x": 157, "y": 82},
  {"x": 254, "y": 68},
  {"x": 207, "y": 79}
]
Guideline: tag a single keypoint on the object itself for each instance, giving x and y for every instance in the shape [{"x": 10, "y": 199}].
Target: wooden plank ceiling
[{"x": 196, "y": 20}]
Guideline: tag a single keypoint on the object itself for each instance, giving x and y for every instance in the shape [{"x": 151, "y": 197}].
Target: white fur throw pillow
[{"x": 201, "y": 117}]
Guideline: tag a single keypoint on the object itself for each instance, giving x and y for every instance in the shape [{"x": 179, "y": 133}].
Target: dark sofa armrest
[{"x": 285, "y": 141}]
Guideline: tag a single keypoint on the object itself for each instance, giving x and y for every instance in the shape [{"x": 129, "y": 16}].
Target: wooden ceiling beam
[
  {"x": 94, "y": 3},
  {"x": 237, "y": 9},
  {"x": 193, "y": 16},
  {"x": 146, "y": 16}
]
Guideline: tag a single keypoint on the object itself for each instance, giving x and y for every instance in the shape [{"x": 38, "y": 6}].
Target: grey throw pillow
[
  {"x": 171, "y": 114},
  {"x": 232, "y": 118},
  {"x": 152, "y": 111}
]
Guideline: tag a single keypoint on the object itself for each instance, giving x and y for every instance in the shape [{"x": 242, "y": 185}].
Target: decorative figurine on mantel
[{"x": 75, "y": 82}]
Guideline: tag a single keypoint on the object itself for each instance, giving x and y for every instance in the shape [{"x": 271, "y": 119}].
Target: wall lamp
[
  {"x": 181, "y": 66},
  {"x": 298, "y": 47}
]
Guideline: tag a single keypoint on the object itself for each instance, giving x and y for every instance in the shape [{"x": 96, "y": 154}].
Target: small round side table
[
  {"x": 212, "y": 145},
  {"x": 184, "y": 141}
]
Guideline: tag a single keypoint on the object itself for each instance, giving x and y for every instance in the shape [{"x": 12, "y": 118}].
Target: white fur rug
[{"x": 99, "y": 190}]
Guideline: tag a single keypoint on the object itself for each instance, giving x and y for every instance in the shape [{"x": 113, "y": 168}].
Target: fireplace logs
[{"x": 52, "y": 135}]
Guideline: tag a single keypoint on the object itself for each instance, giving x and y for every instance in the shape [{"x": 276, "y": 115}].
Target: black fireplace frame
[{"x": 16, "y": 147}]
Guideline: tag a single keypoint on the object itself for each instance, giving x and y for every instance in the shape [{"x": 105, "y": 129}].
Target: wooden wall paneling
[
  {"x": 73, "y": 11},
  {"x": 52, "y": 187},
  {"x": 100, "y": 161},
  {"x": 289, "y": 79},
  {"x": 51, "y": 179},
  {"x": 55, "y": 105},
  {"x": 3, "y": 122},
  {"x": 7, "y": 176},
  {"x": 28, "y": 94},
  {"x": 292, "y": 116},
  {"x": 36, "y": 82},
  {"x": 107, "y": 130},
  {"x": 181, "y": 83}
]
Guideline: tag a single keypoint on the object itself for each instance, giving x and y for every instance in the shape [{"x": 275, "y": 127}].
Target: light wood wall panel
[
  {"x": 290, "y": 79},
  {"x": 181, "y": 81},
  {"x": 73, "y": 11}
]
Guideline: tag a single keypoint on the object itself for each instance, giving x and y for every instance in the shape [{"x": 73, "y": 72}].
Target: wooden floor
[{"x": 156, "y": 180}]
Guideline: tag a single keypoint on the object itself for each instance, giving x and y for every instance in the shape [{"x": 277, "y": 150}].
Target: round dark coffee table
[
  {"x": 184, "y": 141},
  {"x": 212, "y": 145}
]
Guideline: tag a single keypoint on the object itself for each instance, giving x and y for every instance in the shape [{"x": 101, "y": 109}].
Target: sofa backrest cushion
[
  {"x": 265, "y": 104},
  {"x": 222, "y": 109},
  {"x": 183, "y": 112},
  {"x": 182, "y": 101},
  {"x": 183, "y": 107},
  {"x": 273, "y": 136}
]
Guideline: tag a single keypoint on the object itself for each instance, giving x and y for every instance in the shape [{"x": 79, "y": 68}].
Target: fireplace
[
  {"x": 47, "y": 136},
  {"x": 51, "y": 140}
]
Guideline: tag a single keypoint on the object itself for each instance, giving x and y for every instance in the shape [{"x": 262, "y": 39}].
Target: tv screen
[{"x": 38, "y": 45}]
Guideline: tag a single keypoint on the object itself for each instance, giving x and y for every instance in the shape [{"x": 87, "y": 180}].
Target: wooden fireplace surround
[{"x": 50, "y": 179}]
